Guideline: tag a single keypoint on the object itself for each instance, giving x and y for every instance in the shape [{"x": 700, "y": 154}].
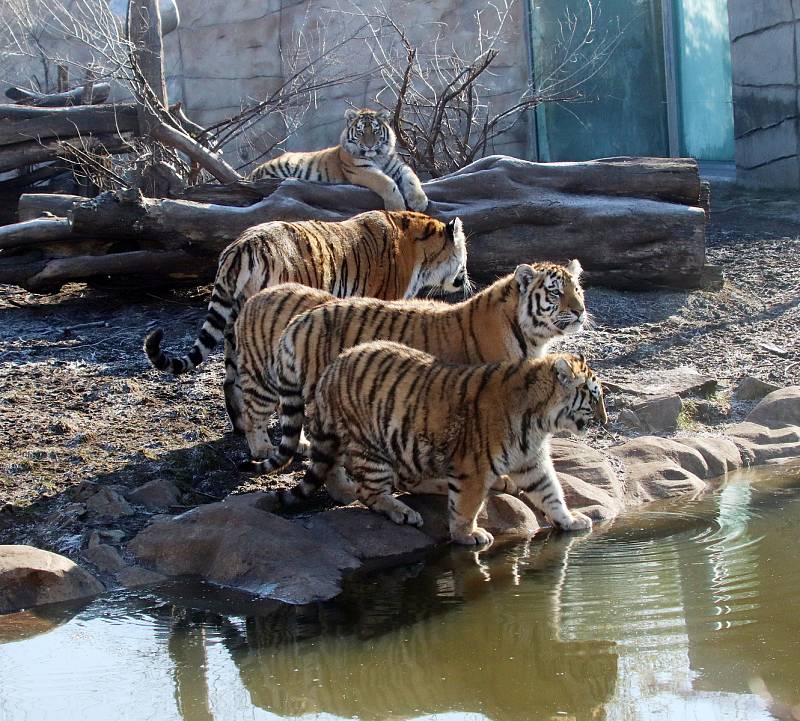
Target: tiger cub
[
  {"x": 514, "y": 318},
  {"x": 380, "y": 254},
  {"x": 395, "y": 416},
  {"x": 365, "y": 156}
]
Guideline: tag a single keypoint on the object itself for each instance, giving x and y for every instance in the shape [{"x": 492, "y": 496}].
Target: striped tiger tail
[{"x": 218, "y": 318}]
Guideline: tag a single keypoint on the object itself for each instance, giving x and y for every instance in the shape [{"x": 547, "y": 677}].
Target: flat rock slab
[
  {"x": 683, "y": 381},
  {"x": 31, "y": 577}
]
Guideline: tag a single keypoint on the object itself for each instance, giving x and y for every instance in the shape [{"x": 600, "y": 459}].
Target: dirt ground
[{"x": 78, "y": 400}]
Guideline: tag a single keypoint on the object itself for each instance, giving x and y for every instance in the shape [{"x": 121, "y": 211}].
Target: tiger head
[
  {"x": 438, "y": 250},
  {"x": 578, "y": 396},
  {"x": 368, "y": 133},
  {"x": 550, "y": 299}
]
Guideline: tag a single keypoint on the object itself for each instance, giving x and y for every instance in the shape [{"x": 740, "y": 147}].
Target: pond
[{"x": 682, "y": 610}]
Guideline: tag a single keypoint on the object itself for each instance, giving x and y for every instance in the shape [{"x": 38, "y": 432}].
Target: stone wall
[
  {"x": 226, "y": 52},
  {"x": 765, "y": 54}
]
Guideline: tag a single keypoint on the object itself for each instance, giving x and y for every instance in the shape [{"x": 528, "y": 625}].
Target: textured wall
[
  {"x": 765, "y": 55},
  {"x": 229, "y": 51}
]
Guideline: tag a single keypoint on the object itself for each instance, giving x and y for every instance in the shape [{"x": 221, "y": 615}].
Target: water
[{"x": 685, "y": 610}]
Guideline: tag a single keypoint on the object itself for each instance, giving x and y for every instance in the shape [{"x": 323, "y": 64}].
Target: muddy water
[{"x": 685, "y": 610}]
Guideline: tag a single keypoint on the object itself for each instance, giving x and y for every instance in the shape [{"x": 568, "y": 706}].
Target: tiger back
[
  {"x": 365, "y": 156},
  {"x": 514, "y": 318},
  {"x": 378, "y": 253},
  {"x": 394, "y": 416}
]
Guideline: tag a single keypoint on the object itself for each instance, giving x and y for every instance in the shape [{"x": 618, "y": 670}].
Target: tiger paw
[
  {"x": 478, "y": 537},
  {"x": 577, "y": 522},
  {"x": 418, "y": 201},
  {"x": 394, "y": 203},
  {"x": 406, "y": 515}
]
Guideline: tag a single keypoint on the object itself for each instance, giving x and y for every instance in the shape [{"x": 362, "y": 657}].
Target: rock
[
  {"x": 31, "y": 577},
  {"x": 104, "y": 557},
  {"x": 102, "y": 501},
  {"x": 505, "y": 515},
  {"x": 720, "y": 454},
  {"x": 156, "y": 495},
  {"x": 753, "y": 389},
  {"x": 761, "y": 444},
  {"x": 660, "y": 413},
  {"x": 236, "y": 545},
  {"x": 683, "y": 381},
  {"x": 593, "y": 500},
  {"x": 779, "y": 408},
  {"x": 584, "y": 462},
  {"x": 132, "y": 576},
  {"x": 365, "y": 534},
  {"x": 661, "y": 479},
  {"x": 648, "y": 449},
  {"x": 628, "y": 418}
]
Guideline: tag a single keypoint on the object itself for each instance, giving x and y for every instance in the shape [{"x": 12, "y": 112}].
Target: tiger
[
  {"x": 514, "y": 318},
  {"x": 365, "y": 156},
  {"x": 395, "y": 416},
  {"x": 386, "y": 255}
]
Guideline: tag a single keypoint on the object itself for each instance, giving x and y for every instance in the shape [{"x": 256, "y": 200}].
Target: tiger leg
[
  {"x": 540, "y": 484},
  {"x": 259, "y": 402},
  {"x": 466, "y": 497},
  {"x": 383, "y": 185},
  {"x": 439, "y": 486},
  {"x": 231, "y": 385},
  {"x": 411, "y": 188},
  {"x": 374, "y": 489}
]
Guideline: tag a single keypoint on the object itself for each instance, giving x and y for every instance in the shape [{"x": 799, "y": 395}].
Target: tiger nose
[{"x": 458, "y": 281}]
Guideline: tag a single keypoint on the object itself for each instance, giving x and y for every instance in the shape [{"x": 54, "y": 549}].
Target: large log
[
  {"x": 38, "y": 151},
  {"x": 633, "y": 224},
  {"x": 21, "y": 124},
  {"x": 76, "y": 96}
]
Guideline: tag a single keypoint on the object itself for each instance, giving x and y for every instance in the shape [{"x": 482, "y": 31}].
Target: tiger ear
[
  {"x": 384, "y": 116},
  {"x": 454, "y": 228},
  {"x": 566, "y": 376},
  {"x": 575, "y": 268},
  {"x": 524, "y": 275},
  {"x": 350, "y": 114}
]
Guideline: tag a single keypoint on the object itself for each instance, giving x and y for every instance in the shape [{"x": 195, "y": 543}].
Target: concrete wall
[
  {"x": 765, "y": 56},
  {"x": 226, "y": 52}
]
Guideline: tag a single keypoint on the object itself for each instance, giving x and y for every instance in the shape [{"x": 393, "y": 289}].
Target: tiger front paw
[
  {"x": 393, "y": 203},
  {"x": 476, "y": 537},
  {"x": 578, "y": 522},
  {"x": 418, "y": 201},
  {"x": 406, "y": 515}
]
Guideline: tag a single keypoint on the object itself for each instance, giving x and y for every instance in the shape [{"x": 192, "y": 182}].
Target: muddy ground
[{"x": 79, "y": 402}]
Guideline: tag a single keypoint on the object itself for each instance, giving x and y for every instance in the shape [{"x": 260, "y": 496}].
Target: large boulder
[
  {"x": 760, "y": 444},
  {"x": 241, "y": 546},
  {"x": 578, "y": 460},
  {"x": 652, "y": 480},
  {"x": 753, "y": 389},
  {"x": 31, "y": 577},
  {"x": 658, "y": 414},
  {"x": 779, "y": 408},
  {"x": 720, "y": 454}
]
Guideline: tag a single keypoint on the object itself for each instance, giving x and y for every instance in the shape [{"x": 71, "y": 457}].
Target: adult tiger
[
  {"x": 395, "y": 417},
  {"x": 514, "y": 318},
  {"x": 365, "y": 156},
  {"x": 382, "y": 254}
]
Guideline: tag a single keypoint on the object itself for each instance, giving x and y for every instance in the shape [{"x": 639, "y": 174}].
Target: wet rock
[
  {"x": 720, "y": 454},
  {"x": 30, "y": 577},
  {"x": 133, "y": 576},
  {"x": 236, "y": 545},
  {"x": 505, "y": 515},
  {"x": 753, "y": 389},
  {"x": 104, "y": 557},
  {"x": 761, "y": 444},
  {"x": 648, "y": 449},
  {"x": 581, "y": 461},
  {"x": 659, "y": 414},
  {"x": 661, "y": 479},
  {"x": 157, "y": 495},
  {"x": 779, "y": 408}
]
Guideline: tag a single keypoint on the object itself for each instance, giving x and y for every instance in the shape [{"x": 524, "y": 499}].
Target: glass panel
[
  {"x": 623, "y": 108},
  {"x": 704, "y": 79}
]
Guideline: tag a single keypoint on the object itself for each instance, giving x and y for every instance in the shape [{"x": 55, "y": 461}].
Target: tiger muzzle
[{"x": 600, "y": 413}]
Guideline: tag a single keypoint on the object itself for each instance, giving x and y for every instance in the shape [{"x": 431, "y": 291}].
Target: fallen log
[
  {"x": 630, "y": 222},
  {"x": 76, "y": 96},
  {"x": 38, "y": 151},
  {"x": 34, "y": 232},
  {"x": 20, "y": 124}
]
